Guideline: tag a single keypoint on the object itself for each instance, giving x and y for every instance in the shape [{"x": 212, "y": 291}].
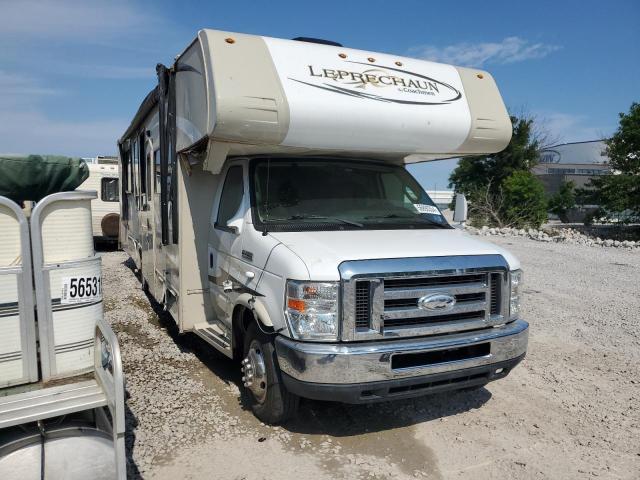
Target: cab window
[{"x": 231, "y": 198}]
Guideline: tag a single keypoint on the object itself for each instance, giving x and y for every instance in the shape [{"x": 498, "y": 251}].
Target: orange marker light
[
  {"x": 296, "y": 304},
  {"x": 229, "y": 40}
]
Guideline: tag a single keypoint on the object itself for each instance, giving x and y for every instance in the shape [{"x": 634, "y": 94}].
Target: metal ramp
[{"x": 50, "y": 402}]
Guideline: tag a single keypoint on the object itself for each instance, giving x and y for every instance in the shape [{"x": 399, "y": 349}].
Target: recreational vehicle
[
  {"x": 103, "y": 178},
  {"x": 266, "y": 203},
  {"x": 61, "y": 381}
]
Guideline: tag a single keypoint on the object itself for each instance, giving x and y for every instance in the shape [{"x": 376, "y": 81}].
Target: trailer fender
[{"x": 254, "y": 304}]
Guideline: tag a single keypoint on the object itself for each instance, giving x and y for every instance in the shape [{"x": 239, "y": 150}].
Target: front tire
[{"x": 270, "y": 401}]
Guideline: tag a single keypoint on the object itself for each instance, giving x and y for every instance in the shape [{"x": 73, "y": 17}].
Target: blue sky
[{"x": 72, "y": 73}]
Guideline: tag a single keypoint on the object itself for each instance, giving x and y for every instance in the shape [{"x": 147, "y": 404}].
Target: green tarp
[{"x": 34, "y": 177}]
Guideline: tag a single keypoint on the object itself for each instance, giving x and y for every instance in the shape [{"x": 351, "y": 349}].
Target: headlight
[
  {"x": 312, "y": 310},
  {"x": 516, "y": 285}
]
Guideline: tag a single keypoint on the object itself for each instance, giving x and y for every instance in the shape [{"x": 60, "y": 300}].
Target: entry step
[{"x": 213, "y": 334}]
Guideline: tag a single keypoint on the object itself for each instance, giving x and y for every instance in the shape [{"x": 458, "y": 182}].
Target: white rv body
[
  {"x": 237, "y": 113},
  {"x": 105, "y": 209}
]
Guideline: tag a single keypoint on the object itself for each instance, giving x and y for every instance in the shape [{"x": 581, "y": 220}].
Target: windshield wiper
[
  {"x": 322, "y": 217},
  {"x": 422, "y": 219}
]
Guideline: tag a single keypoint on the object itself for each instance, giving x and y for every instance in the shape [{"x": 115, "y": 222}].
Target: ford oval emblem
[{"x": 439, "y": 302}]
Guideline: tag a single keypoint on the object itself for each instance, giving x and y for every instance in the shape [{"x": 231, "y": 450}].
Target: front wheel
[{"x": 271, "y": 402}]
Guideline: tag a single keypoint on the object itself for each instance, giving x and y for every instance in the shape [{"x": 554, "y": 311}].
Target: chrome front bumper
[{"x": 342, "y": 365}]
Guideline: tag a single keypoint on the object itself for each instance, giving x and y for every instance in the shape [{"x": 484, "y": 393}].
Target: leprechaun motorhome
[{"x": 266, "y": 203}]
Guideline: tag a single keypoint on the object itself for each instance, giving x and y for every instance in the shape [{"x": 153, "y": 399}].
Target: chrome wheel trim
[{"x": 254, "y": 372}]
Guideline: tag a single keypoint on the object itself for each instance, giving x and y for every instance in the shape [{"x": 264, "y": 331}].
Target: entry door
[
  {"x": 147, "y": 216},
  {"x": 159, "y": 262},
  {"x": 225, "y": 242}
]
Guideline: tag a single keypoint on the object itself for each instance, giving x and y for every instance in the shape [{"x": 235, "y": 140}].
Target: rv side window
[
  {"x": 128, "y": 172},
  {"x": 231, "y": 198},
  {"x": 158, "y": 171},
  {"x": 109, "y": 190},
  {"x": 135, "y": 172},
  {"x": 143, "y": 166}
]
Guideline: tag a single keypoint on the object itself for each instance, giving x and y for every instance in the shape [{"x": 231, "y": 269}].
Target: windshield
[{"x": 332, "y": 194}]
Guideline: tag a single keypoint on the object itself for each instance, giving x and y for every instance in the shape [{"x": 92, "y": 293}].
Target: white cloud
[
  {"x": 119, "y": 72},
  {"x": 17, "y": 90},
  {"x": 567, "y": 127},
  {"x": 509, "y": 50},
  {"x": 25, "y": 128},
  {"x": 89, "y": 20},
  {"x": 102, "y": 70},
  {"x": 25, "y": 132}
]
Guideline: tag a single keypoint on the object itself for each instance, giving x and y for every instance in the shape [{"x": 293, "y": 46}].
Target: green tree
[
  {"x": 618, "y": 195},
  {"x": 500, "y": 188},
  {"x": 563, "y": 200},
  {"x": 524, "y": 200}
]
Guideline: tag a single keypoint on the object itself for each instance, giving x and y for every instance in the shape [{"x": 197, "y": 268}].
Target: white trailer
[
  {"x": 61, "y": 382},
  {"x": 105, "y": 209},
  {"x": 266, "y": 203}
]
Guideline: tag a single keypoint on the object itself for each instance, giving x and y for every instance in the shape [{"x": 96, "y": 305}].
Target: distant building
[
  {"x": 442, "y": 198},
  {"x": 577, "y": 162}
]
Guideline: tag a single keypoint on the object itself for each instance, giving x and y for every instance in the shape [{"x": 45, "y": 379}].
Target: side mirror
[
  {"x": 460, "y": 212},
  {"x": 235, "y": 225}
]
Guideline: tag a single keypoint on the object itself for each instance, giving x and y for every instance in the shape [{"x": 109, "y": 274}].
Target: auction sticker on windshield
[
  {"x": 81, "y": 289},
  {"x": 422, "y": 208}
]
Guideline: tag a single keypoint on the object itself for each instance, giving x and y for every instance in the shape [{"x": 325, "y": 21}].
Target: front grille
[
  {"x": 403, "y": 312},
  {"x": 454, "y": 294},
  {"x": 363, "y": 304},
  {"x": 454, "y": 317},
  {"x": 495, "y": 293},
  {"x": 471, "y": 297},
  {"x": 401, "y": 283},
  {"x": 413, "y": 302}
]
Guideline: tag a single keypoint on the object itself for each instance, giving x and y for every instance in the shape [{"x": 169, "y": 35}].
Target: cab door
[{"x": 225, "y": 243}]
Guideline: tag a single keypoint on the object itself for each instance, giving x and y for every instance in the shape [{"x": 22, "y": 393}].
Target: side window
[
  {"x": 109, "y": 190},
  {"x": 129, "y": 184},
  {"x": 135, "y": 172},
  {"x": 158, "y": 172},
  {"x": 231, "y": 199},
  {"x": 143, "y": 166}
]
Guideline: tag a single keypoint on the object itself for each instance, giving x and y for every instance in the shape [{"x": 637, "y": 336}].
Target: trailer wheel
[{"x": 270, "y": 400}]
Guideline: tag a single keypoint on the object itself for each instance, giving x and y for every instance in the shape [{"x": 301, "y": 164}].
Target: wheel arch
[{"x": 248, "y": 308}]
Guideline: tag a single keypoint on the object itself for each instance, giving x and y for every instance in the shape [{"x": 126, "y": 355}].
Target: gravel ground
[{"x": 570, "y": 410}]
